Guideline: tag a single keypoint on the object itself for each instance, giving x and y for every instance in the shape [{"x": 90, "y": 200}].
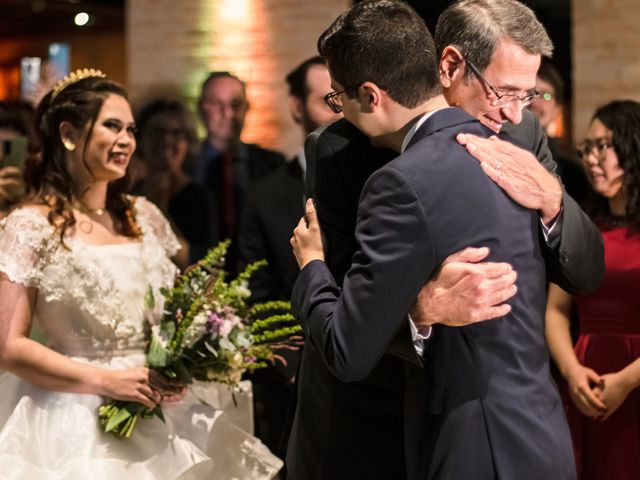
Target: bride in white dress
[{"x": 78, "y": 259}]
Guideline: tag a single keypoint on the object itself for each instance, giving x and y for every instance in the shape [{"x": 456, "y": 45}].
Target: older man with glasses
[{"x": 504, "y": 42}]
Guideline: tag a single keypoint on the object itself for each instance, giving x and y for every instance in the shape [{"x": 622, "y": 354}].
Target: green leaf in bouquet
[
  {"x": 272, "y": 335},
  {"x": 158, "y": 412},
  {"x": 116, "y": 419},
  {"x": 169, "y": 328},
  {"x": 149, "y": 299},
  {"x": 226, "y": 344},
  {"x": 271, "y": 306},
  {"x": 158, "y": 355},
  {"x": 273, "y": 320},
  {"x": 243, "y": 339},
  {"x": 180, "y": 372},
  {"x": 209, "y": 347},
  {"x": 247, "y": 273}
]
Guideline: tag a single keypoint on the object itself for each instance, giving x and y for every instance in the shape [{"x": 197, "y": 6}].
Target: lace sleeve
[
  {"x": 24, "y": 236},
  {"x": 152, "y": 221}
]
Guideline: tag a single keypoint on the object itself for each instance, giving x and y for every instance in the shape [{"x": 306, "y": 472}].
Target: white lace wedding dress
[{"x": 90, "y": 306}]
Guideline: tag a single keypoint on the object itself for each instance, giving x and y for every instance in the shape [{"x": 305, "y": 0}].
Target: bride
[{"x": 78, "y": 258}]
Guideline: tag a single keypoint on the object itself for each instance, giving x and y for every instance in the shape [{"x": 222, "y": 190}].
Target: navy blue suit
[{"x": 487, "y": 407}]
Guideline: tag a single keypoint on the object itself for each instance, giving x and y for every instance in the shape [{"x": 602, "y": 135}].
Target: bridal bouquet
[{"x": 204, "y": 330}]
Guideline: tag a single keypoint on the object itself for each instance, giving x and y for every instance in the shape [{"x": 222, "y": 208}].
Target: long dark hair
[
  {"x": 622, "y": 117},
  {"x": 46, "y": 174}
]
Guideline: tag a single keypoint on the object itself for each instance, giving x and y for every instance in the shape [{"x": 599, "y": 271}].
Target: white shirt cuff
[
  {"x": 547, "y": 232},
  {"x": 418, "y": 336}
]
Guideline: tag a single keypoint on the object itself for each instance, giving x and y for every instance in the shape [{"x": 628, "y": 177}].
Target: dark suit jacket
[
  {"x": 492, "y": 409},
  {"x": 275, "y": 204},
  {"x": 274, "y": 207},
  {"x": 251, "y": 162},
  {"x": 339, "y": 161},
  {"x": 345, "y": 431}
]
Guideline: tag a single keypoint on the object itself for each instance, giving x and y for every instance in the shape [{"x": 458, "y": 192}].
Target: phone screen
[
  {"x": 59, "y": 59},
  {"x": 13, "y": 152},
  {"x": 29, "y": 76}
]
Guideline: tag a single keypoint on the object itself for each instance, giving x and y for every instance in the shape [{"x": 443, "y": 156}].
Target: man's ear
[
  {"x": 451, "y": 66},
  {"x": 370, "y": 96},
  {"x": 295, "y": 108}
]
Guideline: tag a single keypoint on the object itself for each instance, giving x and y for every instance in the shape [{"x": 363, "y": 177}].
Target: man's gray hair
[{"x": 477, "y": 26}]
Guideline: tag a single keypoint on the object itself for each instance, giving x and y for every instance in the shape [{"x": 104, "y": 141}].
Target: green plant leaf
[
  {"x": 181, "y": 372},
  {"x": 149, "y": 299},
  {"x": 158, "y": 355},
  {"x": 117, "y": 418}
]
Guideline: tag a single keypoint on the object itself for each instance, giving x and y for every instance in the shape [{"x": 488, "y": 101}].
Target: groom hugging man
[{"x": 491, "y": 409}]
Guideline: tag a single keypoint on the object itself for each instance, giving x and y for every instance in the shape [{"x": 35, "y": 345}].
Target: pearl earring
[{"x": 69, "y": 145}]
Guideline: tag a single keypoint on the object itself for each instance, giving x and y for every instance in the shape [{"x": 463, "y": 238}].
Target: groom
[{"x": 430, "y": 202}]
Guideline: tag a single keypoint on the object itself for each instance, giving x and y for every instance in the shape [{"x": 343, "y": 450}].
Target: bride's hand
[
  {"x": 132, "y": 384},
  {"x": 175, "y": 397},
  {"x": 165, "y": 386}
]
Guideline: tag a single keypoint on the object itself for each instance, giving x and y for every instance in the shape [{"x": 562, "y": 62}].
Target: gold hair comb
[{"x": 74, "y": 77}]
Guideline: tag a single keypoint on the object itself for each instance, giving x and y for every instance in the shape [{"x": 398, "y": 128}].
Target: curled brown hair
[{"x": 48, "y": 179}]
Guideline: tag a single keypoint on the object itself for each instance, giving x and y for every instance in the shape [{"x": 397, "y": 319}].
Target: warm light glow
[
  {"x": 241, "y": 43},
  {"x": 81, "y": 19},
  {"x": 234, "y": 11}
]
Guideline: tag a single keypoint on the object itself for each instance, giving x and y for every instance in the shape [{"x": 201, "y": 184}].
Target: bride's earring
[{"x": 69, "y": 145}]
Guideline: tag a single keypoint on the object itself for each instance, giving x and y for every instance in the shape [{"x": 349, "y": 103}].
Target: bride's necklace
[{"x": 88, "y": 210}]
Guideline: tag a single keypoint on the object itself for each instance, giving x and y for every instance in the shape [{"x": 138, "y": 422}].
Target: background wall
[
  {"x": 171, "y": 49},
  {"x": 606, "y": 56}
]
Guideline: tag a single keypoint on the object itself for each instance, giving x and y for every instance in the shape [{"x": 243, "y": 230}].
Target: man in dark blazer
[
  {"x": 337, "y": 164},
  {"x": 226, "y": 165},
  {"x": 275, "y": 203}
]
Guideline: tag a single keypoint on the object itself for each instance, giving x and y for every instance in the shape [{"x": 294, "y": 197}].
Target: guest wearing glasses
[
  {"x": 226, "y": 165},
  {"x": 603, "y": 370}
]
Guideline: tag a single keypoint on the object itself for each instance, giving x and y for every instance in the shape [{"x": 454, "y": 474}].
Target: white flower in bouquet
[
  {"x": 160, "y": 335},
  {"x": 197, "y": 329},
  {"x": 242, "y": 290}
]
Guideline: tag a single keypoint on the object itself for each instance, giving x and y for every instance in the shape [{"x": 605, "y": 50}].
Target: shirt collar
[
  {"x": 302, "y": 160},
  {"x": 414, "y": 128}
]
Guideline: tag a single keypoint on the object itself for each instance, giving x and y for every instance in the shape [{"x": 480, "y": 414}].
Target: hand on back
[{"x": 465, "y": 290}]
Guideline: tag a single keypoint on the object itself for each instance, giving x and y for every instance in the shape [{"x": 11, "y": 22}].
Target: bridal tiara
[{"x": 74, "y": 77}]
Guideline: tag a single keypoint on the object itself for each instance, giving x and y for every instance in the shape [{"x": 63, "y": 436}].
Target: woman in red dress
[{"x": 603, "y": 370}]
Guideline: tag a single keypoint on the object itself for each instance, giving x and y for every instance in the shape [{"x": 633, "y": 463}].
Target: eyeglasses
[
  {"x": 600, "y": 145},
  {"x": 503, "y": 99},
  {"x": 333, "y": 98}
]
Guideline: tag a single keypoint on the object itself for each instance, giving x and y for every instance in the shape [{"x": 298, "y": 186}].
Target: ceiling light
[{"x": 81, "y": 19}]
